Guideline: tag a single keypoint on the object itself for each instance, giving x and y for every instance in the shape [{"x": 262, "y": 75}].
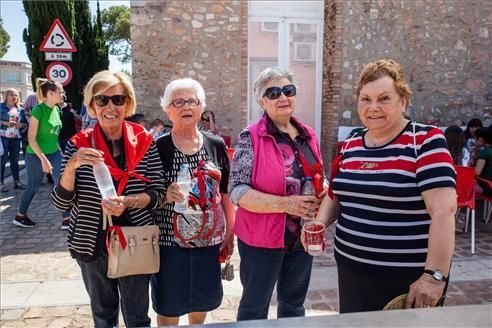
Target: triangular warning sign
[{"x": 57, "y": 39}]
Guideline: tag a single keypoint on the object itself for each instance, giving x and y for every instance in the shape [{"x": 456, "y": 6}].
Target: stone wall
[
  {"x": 332, "y": 64},
  {"x": 444, "y": 46},
  {"x": 204, "y": 40}
]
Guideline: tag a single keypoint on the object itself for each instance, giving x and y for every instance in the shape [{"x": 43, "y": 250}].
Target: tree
[
  {"x": 102, "y": 49},
  {"x": 76, "y": 18},
  {"x": 116, "y": 27},
  {"x": 4, "y": 40}
]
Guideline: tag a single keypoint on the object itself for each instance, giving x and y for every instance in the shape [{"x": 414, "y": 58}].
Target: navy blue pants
[
  {"x": 11, "y": 149},
  {"x": 106, "y": 294},
  {"x": 260, "y": 269}
]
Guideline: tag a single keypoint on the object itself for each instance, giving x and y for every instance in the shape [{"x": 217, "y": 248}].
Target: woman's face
[
  {"x": 108, "y": 114},
  {"x": 281, "y": 108},
  {"x": 185, "y": 109},
  {"x": 472, "y": 130},
  {"x": 12, "y": 98},
  {"x": 206, "y": 118},
  {"x": 379, "y": 105},
  {"x": 56, "y": 96}
]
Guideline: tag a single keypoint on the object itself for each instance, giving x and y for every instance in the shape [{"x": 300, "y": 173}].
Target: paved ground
[{"x": 41, "y": 285}]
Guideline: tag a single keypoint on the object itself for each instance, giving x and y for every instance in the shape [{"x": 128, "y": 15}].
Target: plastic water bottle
[
  {"x": 104, "y": 180},
  {"x": 184, "y": 183},
  {"x": 308, "y": 190}
]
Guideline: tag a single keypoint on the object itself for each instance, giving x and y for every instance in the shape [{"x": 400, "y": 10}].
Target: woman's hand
[
  {"x": 174, "y": 194},
  {"x": 303, "y": 206},
  {"x": 228, "y": 242},
  {"x": 47, "y": 167},
  {"x": 323, "y": 193},
  {"x": 425, "y": 292},
  {"x": 85, "y": 156},
  {"x": 114, "y": 206}
]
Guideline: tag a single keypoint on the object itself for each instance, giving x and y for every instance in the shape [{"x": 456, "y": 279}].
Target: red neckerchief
[
  {"x": 316, "y": 172},
  {"x": 136, "y": 140}
]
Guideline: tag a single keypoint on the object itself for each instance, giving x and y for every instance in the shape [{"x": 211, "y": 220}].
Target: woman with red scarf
[{"x": 131, "y": 156}]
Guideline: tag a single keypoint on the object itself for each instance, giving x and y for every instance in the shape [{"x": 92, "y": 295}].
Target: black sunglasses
[
  {"x": 273, "y": 93},
  {"x": 117, "y": 100},
  {"x": 205, "y": 119}
]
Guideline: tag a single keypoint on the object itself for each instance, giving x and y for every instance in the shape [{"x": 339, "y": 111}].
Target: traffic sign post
[
  {"x": 57, "y": 39},
  {"x": 57, "y": 45},
  {"x": 60, "y": 72},
  {"x": 52, "y": 56}
]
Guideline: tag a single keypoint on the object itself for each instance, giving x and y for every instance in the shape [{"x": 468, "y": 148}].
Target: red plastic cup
[{"x": 315, "y": 237}]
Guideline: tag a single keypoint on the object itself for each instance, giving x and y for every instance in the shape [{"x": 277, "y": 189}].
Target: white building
[{"x": 16, "y": 75}]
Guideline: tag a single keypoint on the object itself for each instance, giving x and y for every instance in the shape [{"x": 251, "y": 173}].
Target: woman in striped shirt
[
  {"x": 132, "y": 158},
  {"x": 394, "y": 198}
]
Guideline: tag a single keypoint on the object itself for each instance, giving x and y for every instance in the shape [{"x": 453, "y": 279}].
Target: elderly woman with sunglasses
[
  {"x": 189, "y": 280},
  {"x": 131, "y": 156},
  {"x": 265, "y": 183}
]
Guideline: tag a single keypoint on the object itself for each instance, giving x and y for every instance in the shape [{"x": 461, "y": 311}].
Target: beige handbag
[{"x": 131, "y": 250}]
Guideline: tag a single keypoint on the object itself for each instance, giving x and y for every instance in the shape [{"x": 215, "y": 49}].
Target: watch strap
[{"x": 433, "y": 273}]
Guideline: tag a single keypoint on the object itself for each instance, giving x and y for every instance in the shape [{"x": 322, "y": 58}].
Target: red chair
[
  {"x": 230, "y": 152},
  {"x": 487, "y": 201},
  {"x": 227, "y": 141},
  {"x": 465, "y": 191}
]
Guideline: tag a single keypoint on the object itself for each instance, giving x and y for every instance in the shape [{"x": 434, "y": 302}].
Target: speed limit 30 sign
[{"x": 59, "y": 72}]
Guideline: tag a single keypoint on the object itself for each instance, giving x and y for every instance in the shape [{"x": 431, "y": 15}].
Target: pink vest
[{"x": 267, "y": 229}]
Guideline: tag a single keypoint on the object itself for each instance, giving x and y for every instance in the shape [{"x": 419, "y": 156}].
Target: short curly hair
[{"x": 381, "y": 68}]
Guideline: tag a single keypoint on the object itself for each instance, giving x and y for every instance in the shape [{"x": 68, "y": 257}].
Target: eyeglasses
[
  {"x": 205, "y": 119},
  {"x": 117, "y": 100},
  {"x": 180, "y": 102},
  {"x": 273, "y": 93}
]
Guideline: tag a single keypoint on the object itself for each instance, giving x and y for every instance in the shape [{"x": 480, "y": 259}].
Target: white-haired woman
[
  {"x": 189, "y": 280},
  {"x": 272, "y": 158},
  {"x": 131, "y": 156}
]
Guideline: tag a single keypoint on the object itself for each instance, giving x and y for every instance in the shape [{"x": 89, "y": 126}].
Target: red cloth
[{"x": 136, "y": 140}]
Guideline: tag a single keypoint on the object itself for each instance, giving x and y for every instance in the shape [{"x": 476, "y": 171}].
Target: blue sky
[{"x": 15, "y": 20}]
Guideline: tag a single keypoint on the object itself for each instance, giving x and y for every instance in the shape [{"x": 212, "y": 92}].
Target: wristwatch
[{"x": 437, "y": 275}]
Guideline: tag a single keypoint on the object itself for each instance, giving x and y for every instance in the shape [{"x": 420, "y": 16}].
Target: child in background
[
  {"x": 456, "y": 140},
  {"x": 471, "y": 127},
  {"x": 483, "y": 167},
  {"x": 156, "y": 128}
]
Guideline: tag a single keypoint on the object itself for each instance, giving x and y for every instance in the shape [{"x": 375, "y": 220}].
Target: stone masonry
[
  {"x": 204, "y": 40},
  {"x": 444, "y": 46}
]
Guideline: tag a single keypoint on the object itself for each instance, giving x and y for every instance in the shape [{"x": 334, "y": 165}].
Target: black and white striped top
[
  {"x": 384, "y": 221},
  {"x": 213, "y": 150},
  {"x": 84, "y": 234}
]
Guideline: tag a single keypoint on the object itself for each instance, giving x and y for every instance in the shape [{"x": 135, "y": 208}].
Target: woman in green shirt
[{"x": 43, "y": 154}]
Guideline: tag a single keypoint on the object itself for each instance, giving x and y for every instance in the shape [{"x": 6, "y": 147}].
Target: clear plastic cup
[{"x": 315, "y": 237}]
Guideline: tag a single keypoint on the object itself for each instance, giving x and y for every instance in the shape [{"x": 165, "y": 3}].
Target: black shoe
[
  {"x": 65, "y": 224},
  {"x": 18, "y": 185},
  {"x": 23, "y": 221}
]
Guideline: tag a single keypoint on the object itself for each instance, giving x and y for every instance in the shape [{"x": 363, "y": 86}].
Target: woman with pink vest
[{"x": 265, "y": 183}]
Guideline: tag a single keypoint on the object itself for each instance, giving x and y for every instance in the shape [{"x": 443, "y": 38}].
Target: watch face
[{"x": 438, "y": 275}]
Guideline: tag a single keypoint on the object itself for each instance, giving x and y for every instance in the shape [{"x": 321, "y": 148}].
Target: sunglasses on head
[
  {"x": 273, "y": 93},
  {"x": 117, "y": 100}
]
